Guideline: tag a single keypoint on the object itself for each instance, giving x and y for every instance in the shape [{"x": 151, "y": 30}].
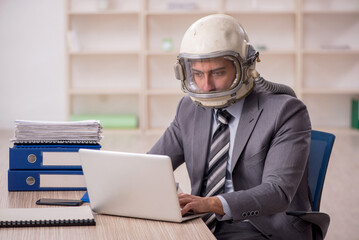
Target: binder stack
[{"x": 45, "y": 155}]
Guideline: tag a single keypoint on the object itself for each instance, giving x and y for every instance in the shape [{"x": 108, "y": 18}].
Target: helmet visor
[{"x": 211, "y": 75}]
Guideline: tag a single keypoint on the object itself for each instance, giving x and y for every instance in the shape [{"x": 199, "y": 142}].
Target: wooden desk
[{"x": 107, "y": 227}]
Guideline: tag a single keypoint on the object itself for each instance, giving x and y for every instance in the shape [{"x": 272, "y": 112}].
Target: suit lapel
[
  {"x": 201, "y": 137},
  {"x": 249, "y": 117}
]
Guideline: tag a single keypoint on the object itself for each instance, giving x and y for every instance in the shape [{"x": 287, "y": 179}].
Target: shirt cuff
[{"x": 227, "y": 211}]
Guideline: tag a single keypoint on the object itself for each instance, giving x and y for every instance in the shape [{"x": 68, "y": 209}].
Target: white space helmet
[{"x": 216, "y": 47}]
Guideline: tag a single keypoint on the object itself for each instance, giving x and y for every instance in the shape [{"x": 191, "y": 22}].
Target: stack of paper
[{"x": 35, "y": 132}]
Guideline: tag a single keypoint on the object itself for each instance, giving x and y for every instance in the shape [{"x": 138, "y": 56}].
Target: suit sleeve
[
  {"x": 284, "y": 165},
  {"x": 170, "y": 143}
]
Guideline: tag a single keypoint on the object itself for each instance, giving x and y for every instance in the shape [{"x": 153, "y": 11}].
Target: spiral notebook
[{"x": 46, "y": 217}]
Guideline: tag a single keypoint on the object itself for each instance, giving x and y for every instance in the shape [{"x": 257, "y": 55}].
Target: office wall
[{"x": 32, "y": 61}]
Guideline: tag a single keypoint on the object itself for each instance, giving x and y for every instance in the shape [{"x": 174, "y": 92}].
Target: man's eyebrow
[
  {"x": 218, "y": 69},
  {"x": 212, "y": 70}
]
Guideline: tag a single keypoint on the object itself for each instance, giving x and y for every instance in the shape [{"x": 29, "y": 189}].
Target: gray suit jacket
[{"x": 269, "y": 161}]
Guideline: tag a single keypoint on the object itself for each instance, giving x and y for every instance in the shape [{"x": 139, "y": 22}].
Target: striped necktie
[{"x": 216, "y": 170}]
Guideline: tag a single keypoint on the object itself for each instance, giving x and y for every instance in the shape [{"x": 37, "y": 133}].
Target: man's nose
[{"x": 208, "y": 84}]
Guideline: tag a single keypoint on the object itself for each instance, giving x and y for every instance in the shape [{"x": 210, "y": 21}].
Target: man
[{"x": 245, "y": 148}]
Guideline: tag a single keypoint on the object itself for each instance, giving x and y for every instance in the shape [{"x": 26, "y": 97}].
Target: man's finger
[{"x": 186, "y": 209}]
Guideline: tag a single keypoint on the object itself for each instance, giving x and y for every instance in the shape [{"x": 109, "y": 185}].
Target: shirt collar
[{"x": 235, "y": 109}]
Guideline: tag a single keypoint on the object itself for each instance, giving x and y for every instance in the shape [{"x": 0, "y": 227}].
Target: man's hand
[{"x": 200, "y": 204}]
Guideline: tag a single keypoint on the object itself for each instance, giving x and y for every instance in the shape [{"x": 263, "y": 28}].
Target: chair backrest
[{"x": 320, "y": 149}]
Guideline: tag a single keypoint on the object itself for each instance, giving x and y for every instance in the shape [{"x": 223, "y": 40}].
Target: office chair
[{"x": 320, "y": 149}]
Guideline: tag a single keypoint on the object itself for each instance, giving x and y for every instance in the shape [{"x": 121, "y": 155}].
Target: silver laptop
[{"x": 131, "y": 185}]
